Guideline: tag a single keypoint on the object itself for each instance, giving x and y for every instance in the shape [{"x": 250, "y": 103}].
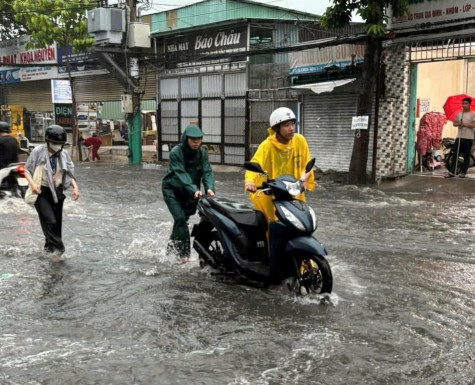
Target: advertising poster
[{"x": 61, "y": 91}]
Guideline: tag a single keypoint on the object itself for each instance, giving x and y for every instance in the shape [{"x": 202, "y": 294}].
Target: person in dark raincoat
[{"x": 189, "y": 166}]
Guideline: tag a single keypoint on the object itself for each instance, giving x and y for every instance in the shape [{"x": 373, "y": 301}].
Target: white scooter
[{"x": 13, "y": 172}]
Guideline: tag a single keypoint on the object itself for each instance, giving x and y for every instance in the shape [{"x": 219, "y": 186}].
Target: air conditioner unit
[{"x": 106, "y": 24}]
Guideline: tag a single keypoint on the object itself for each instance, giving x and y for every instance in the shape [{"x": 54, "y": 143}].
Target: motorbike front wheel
[{"x": 314, "y": 274}]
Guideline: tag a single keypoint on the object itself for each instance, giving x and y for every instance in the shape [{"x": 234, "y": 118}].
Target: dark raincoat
[{"x": 187, "y": 169}]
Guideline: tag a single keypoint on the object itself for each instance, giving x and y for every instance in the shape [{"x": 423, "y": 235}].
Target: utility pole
[{"x": 134, "y": 118}]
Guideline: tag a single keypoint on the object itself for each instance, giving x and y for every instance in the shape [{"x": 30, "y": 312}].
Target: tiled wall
[{"x": 393, "y": 114}]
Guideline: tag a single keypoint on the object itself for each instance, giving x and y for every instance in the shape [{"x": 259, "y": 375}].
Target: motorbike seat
[{"x": 241, "y": 213}]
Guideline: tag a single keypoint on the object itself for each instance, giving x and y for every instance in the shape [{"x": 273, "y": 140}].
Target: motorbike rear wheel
[
  {"x": 449, "y": 164},
  {"x": 314, "y": 274},
  {"x": 212, "y": 245}
]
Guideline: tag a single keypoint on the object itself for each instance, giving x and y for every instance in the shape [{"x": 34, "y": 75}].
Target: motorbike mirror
[
  {"x": 254, "y": 167},
  {"x": 310, "y": 165}
]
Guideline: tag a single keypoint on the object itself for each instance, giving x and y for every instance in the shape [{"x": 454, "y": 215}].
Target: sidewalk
[
  {"x": 441, "y": 172},
  {"x": 119, "y": 154}
]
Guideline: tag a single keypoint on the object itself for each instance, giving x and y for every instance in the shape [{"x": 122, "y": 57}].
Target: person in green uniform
[{"x": 181, "y": 186}]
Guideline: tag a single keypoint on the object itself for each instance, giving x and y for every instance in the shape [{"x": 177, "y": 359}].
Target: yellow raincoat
[{"x": 278, "y": 159}]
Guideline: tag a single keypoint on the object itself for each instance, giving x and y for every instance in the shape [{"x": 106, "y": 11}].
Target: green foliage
[
  {"x": 373, "y": 12},
  {"x": 47, "y": 21},
  {"x": 9, "y": 27}
]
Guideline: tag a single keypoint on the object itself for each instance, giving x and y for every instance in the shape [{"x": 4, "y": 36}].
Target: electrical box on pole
[
  {"x": 138, "y": 35},
  {"x": 126, "y": 104},
  {"x": 107, "y": 25}
]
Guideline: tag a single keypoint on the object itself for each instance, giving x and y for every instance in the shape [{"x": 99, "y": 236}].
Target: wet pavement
[{"x": 121, "y": 311}]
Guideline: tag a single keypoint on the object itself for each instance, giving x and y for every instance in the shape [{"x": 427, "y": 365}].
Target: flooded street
[{"x": 120, "y": 311}]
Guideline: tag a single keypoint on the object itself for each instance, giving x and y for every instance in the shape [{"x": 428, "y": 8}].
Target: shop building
[
  {"x": 27, "y": 93},
  {"x": 209, "y": 79},
  {"x": 215, "y": 75},
  {"x": 430, "y": 56}
]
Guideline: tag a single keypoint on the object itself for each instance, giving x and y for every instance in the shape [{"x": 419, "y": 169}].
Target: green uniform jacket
[{"x": 186, "y": 171}]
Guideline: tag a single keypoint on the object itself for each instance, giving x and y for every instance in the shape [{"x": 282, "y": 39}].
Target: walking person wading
[{"x": 58, "y": 175}]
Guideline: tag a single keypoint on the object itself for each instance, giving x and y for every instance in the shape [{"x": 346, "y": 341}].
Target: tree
[
  {"x": 60, "y": 21},
  {"x": 9, "y": 27},
  {"x": 374, "y": 13}
]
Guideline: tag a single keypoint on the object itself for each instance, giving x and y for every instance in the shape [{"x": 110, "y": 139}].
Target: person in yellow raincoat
[{"x": 283, "y": 152}]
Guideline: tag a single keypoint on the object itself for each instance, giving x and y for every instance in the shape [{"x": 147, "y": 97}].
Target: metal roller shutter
[
  {"x": 104, "y": 88},
  {"x": 100, "y": 88},
  {"x": 34, "y": 96},
  {"x": 327, "y": 128}
]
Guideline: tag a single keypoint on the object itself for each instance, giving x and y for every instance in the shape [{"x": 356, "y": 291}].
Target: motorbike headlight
[
  {"x": 314, "y": 218},
  {"x": 293, "y": 219},
  {"x": 293, "y": 188}
]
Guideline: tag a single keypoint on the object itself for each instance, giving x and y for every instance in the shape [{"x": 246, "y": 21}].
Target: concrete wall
[{"x": 436, "y": 81}]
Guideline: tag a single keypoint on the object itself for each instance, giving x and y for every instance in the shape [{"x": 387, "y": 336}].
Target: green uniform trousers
[{"x": 181, "y": 211}]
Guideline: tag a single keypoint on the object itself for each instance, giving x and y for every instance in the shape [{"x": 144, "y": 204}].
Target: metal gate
[
  {"x": 217, "y": 103},
  {"x": 261, "y": 105},
  {"x": 327, "y": 127}
]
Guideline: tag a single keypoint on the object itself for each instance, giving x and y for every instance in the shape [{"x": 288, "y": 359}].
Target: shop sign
[
  {"x": 63, "y": 115},
  {"x": 360, "y": 122},
  {"x": 191, "y": 49},
  {"x": 317, "y": 60},
  {"x": 427, "y": 14},
  {"x": 61, "y": 91},
  {"x": 14, "y": 52},
  {"x": 81, "y": 63}
]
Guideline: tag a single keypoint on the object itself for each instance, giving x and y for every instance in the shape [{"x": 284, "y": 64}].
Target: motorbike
[
  {"x": 13, "y": 181},
  {"x": 231, "y": 238},
  {"x": 432, "y": 160},
  {"x": 450, "y": 153}
]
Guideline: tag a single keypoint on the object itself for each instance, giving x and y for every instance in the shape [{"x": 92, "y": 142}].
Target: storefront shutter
[
  {"x": 34, "y": 96},
  {"x": 104, "y": 88},
  {"x": 327, "y": 127}
]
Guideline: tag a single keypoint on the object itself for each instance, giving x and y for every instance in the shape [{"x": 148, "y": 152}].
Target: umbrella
[{"x": 453, "y": 105}]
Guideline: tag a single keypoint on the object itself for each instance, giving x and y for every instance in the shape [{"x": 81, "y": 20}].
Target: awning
[{"x": 322, "y": 87}]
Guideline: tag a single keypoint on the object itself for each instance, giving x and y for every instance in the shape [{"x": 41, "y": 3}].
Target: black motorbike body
[
  {"x": 450, "y": 154},
  {"x": 232, "y": 238}
]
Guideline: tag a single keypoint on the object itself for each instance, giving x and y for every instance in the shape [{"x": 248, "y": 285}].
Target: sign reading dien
[{"x": 360, "y": 122}]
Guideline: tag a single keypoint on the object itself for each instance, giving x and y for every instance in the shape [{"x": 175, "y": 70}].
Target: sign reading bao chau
[{"x": 192, "y": 49}]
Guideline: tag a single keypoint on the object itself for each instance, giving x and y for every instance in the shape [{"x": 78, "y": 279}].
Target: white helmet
[{"x": 281, "y": 115}]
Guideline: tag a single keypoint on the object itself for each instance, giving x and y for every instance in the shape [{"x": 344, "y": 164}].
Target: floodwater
[{"x": 120, "y": 311}]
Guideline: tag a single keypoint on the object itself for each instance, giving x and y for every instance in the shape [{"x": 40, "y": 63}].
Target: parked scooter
[
  {"x": 13, "y": 181},
  {"x": 231, "y": 238},
  {"x": 432, "y": 160},
  {"x": 450, "y": 153}
]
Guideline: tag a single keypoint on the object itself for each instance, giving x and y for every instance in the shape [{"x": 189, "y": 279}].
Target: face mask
[{"x": 55, "y": 147}]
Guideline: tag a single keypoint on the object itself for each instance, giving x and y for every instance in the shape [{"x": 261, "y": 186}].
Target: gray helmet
[
  {"x": 4, "y": 127},
  {"x": 56, "y": 134}
]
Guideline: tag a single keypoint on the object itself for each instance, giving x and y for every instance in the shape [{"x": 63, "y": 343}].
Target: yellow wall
[
  {"x": 436, "y": 81},
  {"x": 14, "y": 116}
]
